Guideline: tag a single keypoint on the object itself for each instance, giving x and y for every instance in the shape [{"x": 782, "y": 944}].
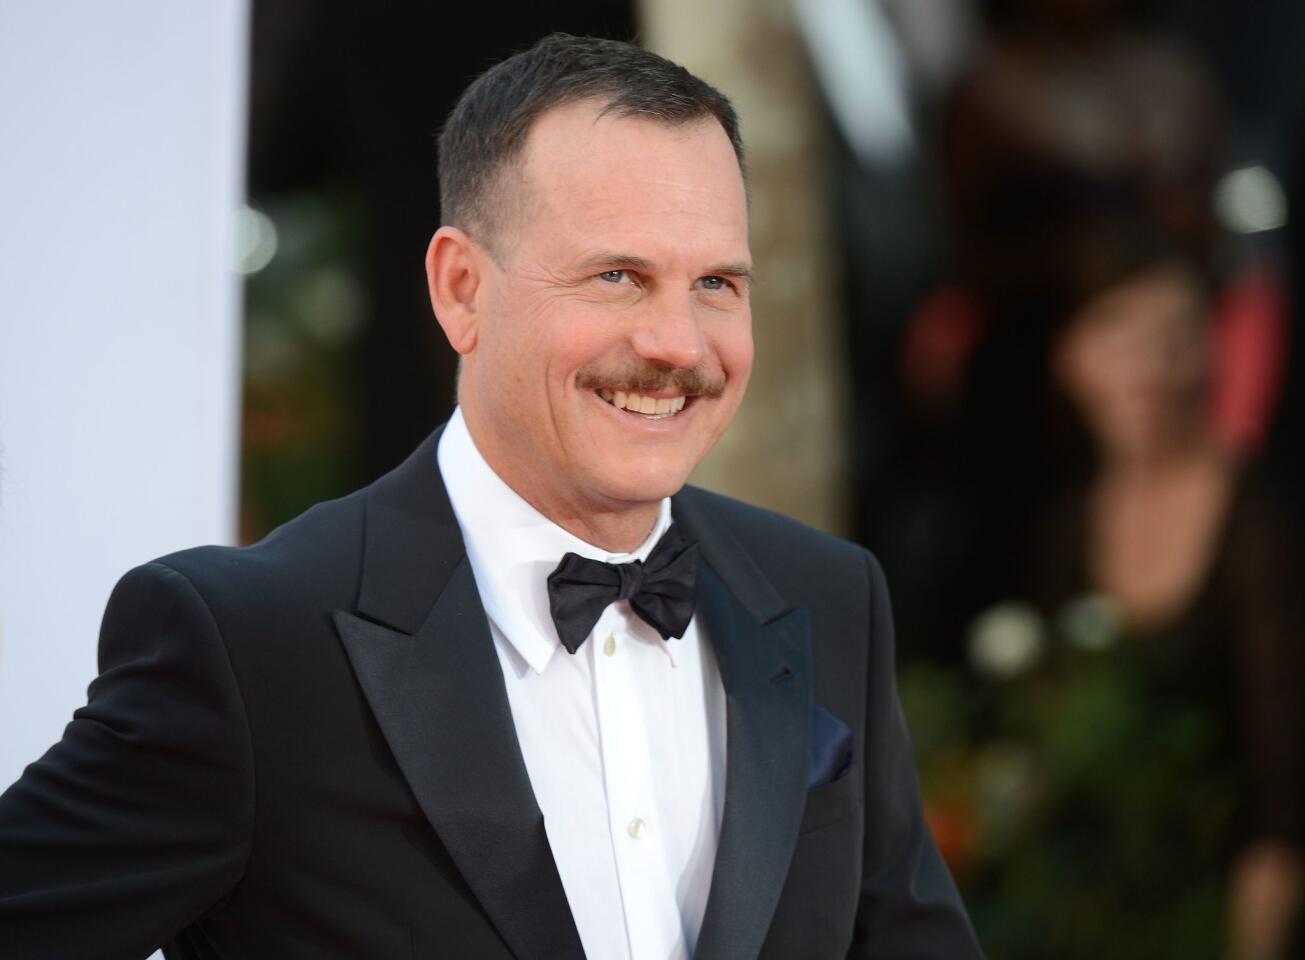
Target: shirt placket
[{"x": 652, "y": 916}]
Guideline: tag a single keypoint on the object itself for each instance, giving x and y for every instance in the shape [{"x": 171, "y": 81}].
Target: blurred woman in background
[{"x": 1190, "y": 560}]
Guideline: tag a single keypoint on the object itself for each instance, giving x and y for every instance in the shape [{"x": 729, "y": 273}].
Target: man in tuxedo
[{"x": 527, "y": 695}]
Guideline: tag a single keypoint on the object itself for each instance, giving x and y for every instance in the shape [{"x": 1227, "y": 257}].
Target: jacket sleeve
[
  {"x": 909, "y": 908},
  {"x": 139, "y": 819}
]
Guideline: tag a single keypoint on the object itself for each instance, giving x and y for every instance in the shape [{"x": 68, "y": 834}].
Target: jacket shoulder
[
  {"x": 806, "y": 565},
  {"x": 765, "y": 532},
  {"x": 315, "y": 557}
]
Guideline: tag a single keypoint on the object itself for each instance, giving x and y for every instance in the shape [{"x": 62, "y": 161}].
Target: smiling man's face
[{"x": 614, "y": 335}]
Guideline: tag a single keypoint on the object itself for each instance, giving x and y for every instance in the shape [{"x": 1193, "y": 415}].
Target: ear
[{"x": 453, "y": 276}]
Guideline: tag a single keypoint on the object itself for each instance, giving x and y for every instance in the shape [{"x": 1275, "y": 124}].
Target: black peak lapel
[
  {"x": 413, "y": 541},
  {"x": 763, "y": 650},
  {"x": 768, "y": 719},
  {"x": 421, "y": 648}
]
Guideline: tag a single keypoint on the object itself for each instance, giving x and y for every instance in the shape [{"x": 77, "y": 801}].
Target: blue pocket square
[{"x": 831, "y": 748}]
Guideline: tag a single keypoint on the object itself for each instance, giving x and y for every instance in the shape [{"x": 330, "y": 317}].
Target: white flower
[
  {"x": 1091, "y": 622},
  {"x": 1006, "y": 640}
]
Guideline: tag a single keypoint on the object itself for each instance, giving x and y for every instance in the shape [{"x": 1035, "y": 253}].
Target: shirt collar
[{"x": 513, "y": 547}]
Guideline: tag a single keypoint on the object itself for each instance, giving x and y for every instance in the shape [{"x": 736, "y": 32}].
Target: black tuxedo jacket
[{"x": 303, "y": 749}]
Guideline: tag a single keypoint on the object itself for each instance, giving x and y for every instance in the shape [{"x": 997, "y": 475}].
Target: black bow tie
[{"x": 662, "y": 591}]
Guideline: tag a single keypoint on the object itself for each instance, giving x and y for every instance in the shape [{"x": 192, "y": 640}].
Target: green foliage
[
  {"x": 1082, "y": 805},
  {"x": 305, "y": 310}
]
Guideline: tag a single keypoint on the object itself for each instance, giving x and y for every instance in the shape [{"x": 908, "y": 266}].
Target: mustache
[{"x": 689, "y": 381}]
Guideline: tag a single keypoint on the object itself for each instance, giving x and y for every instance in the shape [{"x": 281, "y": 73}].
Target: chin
[{"x": 644, "y": 485}]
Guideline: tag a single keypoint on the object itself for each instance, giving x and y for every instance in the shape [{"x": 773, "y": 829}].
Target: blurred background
[{"x": 1028, "y": 327}]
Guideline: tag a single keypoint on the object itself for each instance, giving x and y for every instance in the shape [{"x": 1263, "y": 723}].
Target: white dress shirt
[{"x": 624, "y": 741}]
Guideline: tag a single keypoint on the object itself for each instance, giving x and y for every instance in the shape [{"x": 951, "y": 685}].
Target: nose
[{"x": 671, "y": 334}]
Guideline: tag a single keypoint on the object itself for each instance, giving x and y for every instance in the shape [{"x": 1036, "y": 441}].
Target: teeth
[{"x": 648, "y": 406}]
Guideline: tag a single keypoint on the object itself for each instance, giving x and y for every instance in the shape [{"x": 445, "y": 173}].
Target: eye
[
  {"x": 615, "y": 276},
  {"x": 716, "y": 283}
]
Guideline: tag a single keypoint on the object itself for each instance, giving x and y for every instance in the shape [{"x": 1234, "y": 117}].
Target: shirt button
[
  {"x": 637, "y": 828},
  {"x": 609, "y": 646}
]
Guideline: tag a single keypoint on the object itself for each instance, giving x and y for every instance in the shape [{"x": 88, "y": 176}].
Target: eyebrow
[
  {"x": 739, "y": 271},
  {"x": 617, "y": 261},
  {"x": 614, "y": 261}
]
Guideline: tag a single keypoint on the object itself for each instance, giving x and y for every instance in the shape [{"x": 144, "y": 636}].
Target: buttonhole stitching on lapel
[{"x": 785, "y": 673}]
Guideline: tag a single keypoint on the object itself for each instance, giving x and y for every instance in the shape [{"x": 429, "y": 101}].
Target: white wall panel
[{"x": 121, "y": 158}]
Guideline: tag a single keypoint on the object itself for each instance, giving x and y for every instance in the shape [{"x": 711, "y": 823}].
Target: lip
[{"x": 636, "y": 422}]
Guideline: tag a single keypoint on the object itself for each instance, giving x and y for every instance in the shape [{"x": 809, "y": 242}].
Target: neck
[
  {"x": 616, "y": 531},
  {"x": 1156, "y": 462}
]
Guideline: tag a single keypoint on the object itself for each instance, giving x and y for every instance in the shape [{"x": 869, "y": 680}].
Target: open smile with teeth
[{"x": 652, "y": 408}]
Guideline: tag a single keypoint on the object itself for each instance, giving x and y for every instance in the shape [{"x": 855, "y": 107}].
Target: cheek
[
  {"x": 1086, "y": 371},
  {"x": 558, "y": 335},
  {"x": 735, "y": 349},
  {"x": 529, "y": 346}
]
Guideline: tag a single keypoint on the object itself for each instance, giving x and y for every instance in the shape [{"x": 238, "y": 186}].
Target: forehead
[
  {"x": 1162, "y": 294},
  {"x": 590, "y": 175}
]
